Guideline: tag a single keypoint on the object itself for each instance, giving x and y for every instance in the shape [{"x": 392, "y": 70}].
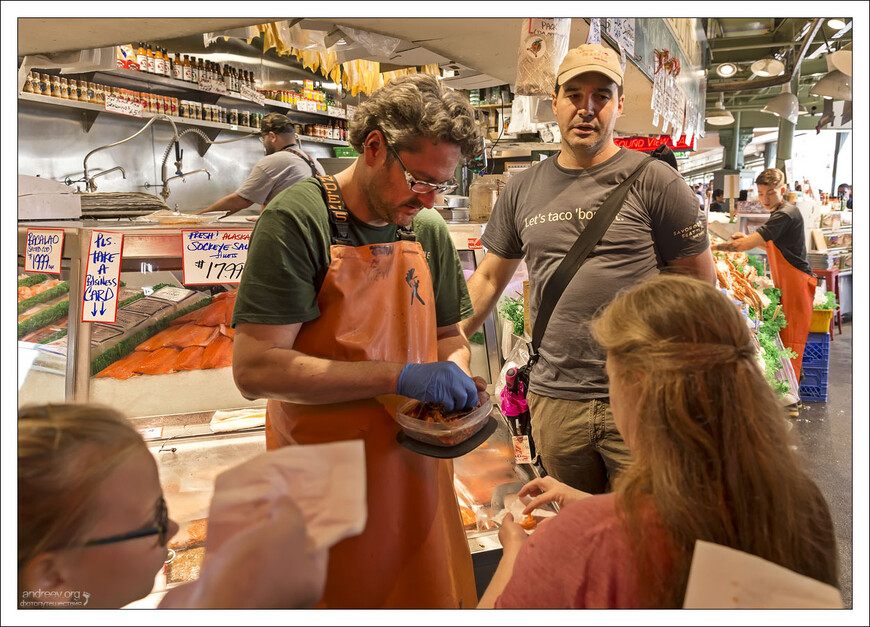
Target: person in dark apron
[
  {"x": 783, "y": 238},
  {"x": 349, "y": 302}
]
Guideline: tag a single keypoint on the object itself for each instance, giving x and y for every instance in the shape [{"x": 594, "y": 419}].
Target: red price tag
[{"x": 474, "y": 243}]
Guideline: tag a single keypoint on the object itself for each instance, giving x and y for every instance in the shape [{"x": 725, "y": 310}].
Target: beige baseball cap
[{"x": 590, "y": 58}]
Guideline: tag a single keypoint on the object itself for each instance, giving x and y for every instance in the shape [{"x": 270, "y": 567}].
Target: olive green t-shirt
[{"x": 289, "y": 255}]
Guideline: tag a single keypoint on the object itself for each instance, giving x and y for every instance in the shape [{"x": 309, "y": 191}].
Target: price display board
[
  {"x": 102, "y": 277},
  {"x": 212, "y": 257},
  {"x": 42, "y": 251},
  {"x": 116, "y": 104},
  {"x": 252, "y": 94}
]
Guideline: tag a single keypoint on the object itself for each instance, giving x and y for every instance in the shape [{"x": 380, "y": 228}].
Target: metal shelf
[
  {"x": 277, "y": 104},
  {"x": 96, "y": 109}
]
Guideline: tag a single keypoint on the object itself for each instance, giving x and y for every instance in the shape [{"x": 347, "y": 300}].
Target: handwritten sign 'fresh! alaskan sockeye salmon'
[
  {"x": 102, "y": 277},
  {"x": 213, "y": 257}
]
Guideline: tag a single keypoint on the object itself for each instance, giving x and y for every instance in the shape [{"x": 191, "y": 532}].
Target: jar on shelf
[
  {"x": 233, "y": 117},
  {"x": 55, "y": 86},
  {"x": 244, "y": 118}
]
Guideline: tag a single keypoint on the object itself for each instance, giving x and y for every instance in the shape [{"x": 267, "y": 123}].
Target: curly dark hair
[{"x": 416, "y": 106}]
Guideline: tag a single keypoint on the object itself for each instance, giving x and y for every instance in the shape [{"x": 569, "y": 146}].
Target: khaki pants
[{"x": 578, "y": 441}]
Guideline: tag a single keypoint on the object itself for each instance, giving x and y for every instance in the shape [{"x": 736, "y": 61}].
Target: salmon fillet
[
  {"x": 161, "y": 361},
  {"x": 125, "y": 367},
  {"x": 228, "y": 331},
  {"x": 219, "y": 353},
  {"x": 190, "y": 358}
]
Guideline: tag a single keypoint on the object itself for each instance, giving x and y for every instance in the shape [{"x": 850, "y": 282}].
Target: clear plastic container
[{"x": 450, "y": 433}]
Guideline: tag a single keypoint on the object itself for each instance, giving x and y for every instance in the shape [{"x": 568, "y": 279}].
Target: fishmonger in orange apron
[
  {"x": 377, "y": 303},
  {"x": 798, "y": 289}
]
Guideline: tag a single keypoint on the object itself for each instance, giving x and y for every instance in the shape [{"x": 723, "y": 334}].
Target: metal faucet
[
  {"x": 89, "y": 181},
  {"x": 93, "y": 186},
  {"x": 165, "y": 191}
]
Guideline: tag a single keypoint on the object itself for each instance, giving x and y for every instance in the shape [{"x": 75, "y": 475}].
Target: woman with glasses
[{"x": 93, "y": 526}]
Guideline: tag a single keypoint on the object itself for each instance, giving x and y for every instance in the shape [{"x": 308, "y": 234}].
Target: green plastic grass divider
[{"x": 44, "y": 297}]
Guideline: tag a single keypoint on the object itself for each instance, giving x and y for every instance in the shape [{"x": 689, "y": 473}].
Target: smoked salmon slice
[
  {"x": 219, "y": 353},
  {"x": 228, "y": 331},
  {"x": 181, "y": 337},
  {"x": 190, "y": 358},
  {"x": 125, "y": 367},
  {"x": 161, "y": 361}
]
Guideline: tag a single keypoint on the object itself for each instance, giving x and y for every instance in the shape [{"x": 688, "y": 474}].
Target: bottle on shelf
[
  {"x": 194, "y": 70},
  {"x": 28, "y": 84},
  {"x": 200, "y": 69},
  {"x": 149, "y": 53},
  {"x": 177, "y": 68},
  {"x": 159, "y": 63},
  {"x": 167, "y": 63},
  {"x": 142, "y": 58},
  {"x": 186, "y": 72}
]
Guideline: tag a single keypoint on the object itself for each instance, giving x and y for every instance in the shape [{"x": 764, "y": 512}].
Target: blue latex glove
[{"x": 440, "y": 382}]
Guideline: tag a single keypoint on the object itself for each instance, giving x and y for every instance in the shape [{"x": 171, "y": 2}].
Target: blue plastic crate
[
  {"x": 814, "y": 386},
  {"x": 817, "y": 351}
]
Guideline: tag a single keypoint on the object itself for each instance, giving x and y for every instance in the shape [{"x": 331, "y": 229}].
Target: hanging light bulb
[
  {"x": 719, "y": 116},
  {"x": 785, "y": 105},
  {"x": 837, "y": 23}
]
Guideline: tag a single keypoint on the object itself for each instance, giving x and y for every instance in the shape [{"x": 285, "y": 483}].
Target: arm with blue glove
[{"x": 440, "y": 382}]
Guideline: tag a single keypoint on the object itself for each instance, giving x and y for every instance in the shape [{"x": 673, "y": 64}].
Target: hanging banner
[
  {"x": 102, "y": 277},
  {"x": 214, "y": 257},
  {"x": 42, "y": 250}
]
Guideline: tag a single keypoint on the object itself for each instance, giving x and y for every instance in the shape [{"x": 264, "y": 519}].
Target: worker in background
[
  {"x": 718, "y": 203},
  {"x": 844, "y": 190},
  {"x": 350, "y": 300},
  {"x": 783, "y": 238},
  {"x": 284, "y": 164}
]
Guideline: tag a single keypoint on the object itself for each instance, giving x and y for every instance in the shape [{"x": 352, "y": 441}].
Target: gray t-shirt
[
  {"x": 273, "y": 174},
  {"x": 539, "y": 216}
]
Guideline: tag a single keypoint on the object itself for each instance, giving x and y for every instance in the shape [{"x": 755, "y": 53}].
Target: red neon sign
[{"x": 648, "y": 144}]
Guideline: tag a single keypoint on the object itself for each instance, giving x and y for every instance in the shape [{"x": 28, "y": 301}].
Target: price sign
[
  {"x": 214, "y": 257},
  {"x": 252, "y": 94},
  {"x": 116, "y": 104},
  {"x": 102, "y": 277},
  {"x": 474, "y": 243},
  {"x": 336, "y": 112},
  {"x": 622, "y": 30},
  {"x": 42, "y": 250},
  {"x": 351, "y": 110},
  {"x": 216, "y": 87},
  {"x": 307, "y": 105}
]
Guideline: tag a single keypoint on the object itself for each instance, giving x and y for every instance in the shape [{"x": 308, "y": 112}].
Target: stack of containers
[{"x": 814, "y": 386}]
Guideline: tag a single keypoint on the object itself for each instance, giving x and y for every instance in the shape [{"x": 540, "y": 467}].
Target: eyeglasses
[
  {"x": 159, "y": 530},
  {"x": 422, "y": 187}
]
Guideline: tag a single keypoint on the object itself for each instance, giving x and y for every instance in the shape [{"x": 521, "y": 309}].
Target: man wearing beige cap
[
  {"x": 284, "y": 164},
  {"x": 539, "y": 216}
]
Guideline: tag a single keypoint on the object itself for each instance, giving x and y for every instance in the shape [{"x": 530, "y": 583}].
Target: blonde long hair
[
  {"x": 64, "y": 452},
  {"x": 711, "y": 445}
]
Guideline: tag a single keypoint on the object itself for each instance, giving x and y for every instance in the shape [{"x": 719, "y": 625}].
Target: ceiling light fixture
[
  {"x": 768, "y": 66},
  {"x": 785, "y": 105},
  {"x": 841, "y": 60},
  {"x": 719, "y": 116},
  {"x": 833, "y": 86},
  {"x": 837, "y": 23},
  {"x": 726, "y": 69}
]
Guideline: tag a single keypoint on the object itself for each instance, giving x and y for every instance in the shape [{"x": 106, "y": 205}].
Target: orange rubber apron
[
  {"x": 798, "y": 289},
  {"x": 377, "y": 303}
]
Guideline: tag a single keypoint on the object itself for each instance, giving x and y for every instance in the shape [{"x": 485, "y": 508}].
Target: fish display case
[{"x": 164, "y": 361}]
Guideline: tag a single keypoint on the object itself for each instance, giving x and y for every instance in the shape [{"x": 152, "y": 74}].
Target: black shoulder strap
[
  {"x": 304, "y": 157},
  {"x": 588, "y": 239},
  {"x": 339, "y": 217}
]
